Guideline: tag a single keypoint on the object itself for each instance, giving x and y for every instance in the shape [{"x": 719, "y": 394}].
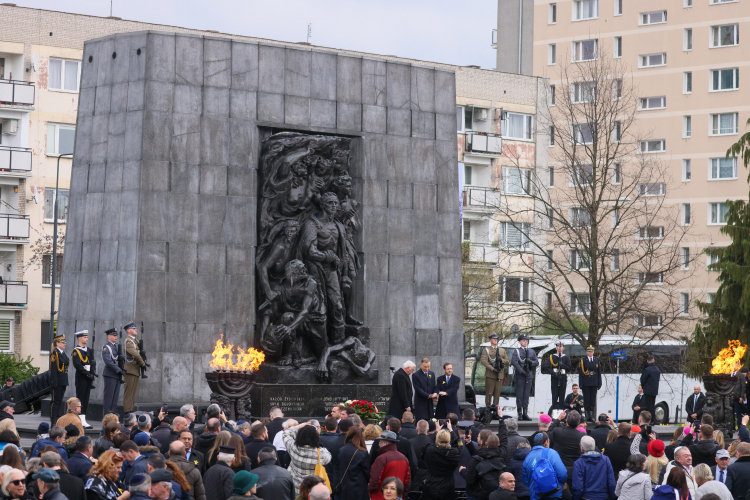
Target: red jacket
[{"x": 390, "y": 463}]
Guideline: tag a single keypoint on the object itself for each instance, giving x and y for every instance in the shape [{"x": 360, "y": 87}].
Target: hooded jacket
[
  {"x": 490, "y": 461},
  {"x": 205, "y": 442},
  {"x": 514, "y": 439},
  {"x": 515, "y": 467},
  {"x": 48, "y": 442},
  {"x": 389, "y": 462},
  {"x": 704, "y": 452},
  {"x": 593, "y": 478},
  {"x": 555, "y": 461},
  {"x": 192, "y": 475},
  {"x": 441, "y": 464}
]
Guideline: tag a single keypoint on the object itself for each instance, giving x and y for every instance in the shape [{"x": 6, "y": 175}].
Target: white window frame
[
  {"x": 576, "y": 262},
  {"x": 714, "y": 169},
  {"x": 640, "y": 278},
  {"x": 687, "y": 39},
  {"x": 577, "y": 52},
  {"x": 49, "y": 193},
  {"x": 577, "y": 180},
  {"x": 642, "y": 233},
  {"x": 616, "y": 174},
  {"x": 719, "y": 2},
  {"x": 550, "y": 260},
  {"x": 62, "y": 75},
  {"x": 714, "y": 124},
  {"x": 643, "y": 146},
  {"x": 714, "y": 34},
  {"x": 712, "y": 80},
  {"x": 713, "y": 213},
  {"x": 552, "y": 14},
  {"x": 552, "y": 136},
  {"x": 56, "y": 127},
  {"x": 687, "y": 170},
  {"x": 618, "y": 7},
  {"x": 528, "y": 127},
  {"x": 617, "y": 131},
  {"x": 577, "y": 10},
  {"x": 578, "y": 136},
  {"x": 651, "y": 103},
  {"x": 614, "y": 263},
  {"x": 525, "y": 230},
  {"x": 524, "y": 292},
  {"x": 645, "y": 18},
  {"x": 574, "y": 303},
  {"x": 646, "y": 190},
  {"x": 552, "y": 95},
  {"x": 685, "y": 214},
  {"x": 685, "y": 258},
  {"x": 461, "y": 122},
  {"x": 551, "y": 177},
  {"x": 616, "y": 218},
  {"x": 711, "y": 259},
  {"x": 687, "y": 3},
  {"x": 58, "y": 275},
  {"x": 617, "y": 47},
  {"x": 687, "y": 126},
  {"x": 644, "y": 60},
  {"x": 583, "y": 92},
  {"x": 578, "y": 217},
  {"x": 617, "y": 89},
  {"x": 525, "y": 175},
  {"x": 640, "y": 321},
  {"x": 550, "y": 219},
  {"x": 11, "y": 334},
  {"x": 551, "y": 54},
  {"x": 687, "y": 82}
]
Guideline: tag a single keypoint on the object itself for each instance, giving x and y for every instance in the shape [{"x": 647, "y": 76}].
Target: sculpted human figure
[
  {"x": 351, "y": 350},
  {"x": 274, "y": 256},
  {"x": 347, "y": 215}
]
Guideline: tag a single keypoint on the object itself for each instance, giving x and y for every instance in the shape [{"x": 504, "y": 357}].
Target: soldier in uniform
[
  {"x": 111, "y": 373},
  {"x": 524, "y": 362},
  {"x": 493, "y": 374},
  {"x": 58, "y": 370},
  {"x": 574, "y": 400},
  {"x": 590, "y": 380},
  {"x": 85, "y": 365},
  {"x": 558, "y": 366},
  {"x": 133, "y": 364}
]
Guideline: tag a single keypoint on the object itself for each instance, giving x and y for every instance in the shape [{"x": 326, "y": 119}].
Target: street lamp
[{"x": 54, "y": 252}]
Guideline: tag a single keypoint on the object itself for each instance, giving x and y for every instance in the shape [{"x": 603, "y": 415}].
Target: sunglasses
[{"x": 17, "y": 482}]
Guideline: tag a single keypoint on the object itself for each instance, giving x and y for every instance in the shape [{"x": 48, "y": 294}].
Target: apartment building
[{"x": 686, "y": 62}]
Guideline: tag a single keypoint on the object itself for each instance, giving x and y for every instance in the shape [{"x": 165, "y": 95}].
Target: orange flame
[
  {"x": 221, "y": 358},
  {"x": 729, "y": 358}
]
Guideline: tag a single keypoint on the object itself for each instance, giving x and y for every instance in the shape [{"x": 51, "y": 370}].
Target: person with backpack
[
  {"x": 543, "y": 470},
  {"x": 593, "y": 478},
  {"x": 484, "y": 469}
]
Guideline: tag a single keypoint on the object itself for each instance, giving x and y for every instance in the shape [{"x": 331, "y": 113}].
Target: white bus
[{"x": 674, "y": 387}]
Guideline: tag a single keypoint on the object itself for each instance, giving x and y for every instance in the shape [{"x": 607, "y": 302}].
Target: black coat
[
  {"x": 493, "y": 463},
  {"x": 704, "y": 452},
  {"x": 650, "y": 379},
  {"x": 274, "y": 427},
  {"x": 218, "y": 482},
  {"x": 71, "y": 486},
  {"x": 198, "y": 459},
  {"x": 499, "y": 494},
  {"x": 420, "y": 444},
  {"x": 698, "y": 410},
  {"x": 354, "y": 473},
  {"x": 567, "y": 442},
  {"x": 79, "y": 465},
  {"x": 401, "y": 394},
  {"x": 253, "y": 447},
  {"x": 274, "y": 481},
  {"x": 441, "y": 465},
  {"x": 204, "y": 442},
  {"x": 618, "y": 452},
  {"x": 424, "y": 386},
  {"x": 738, "y": 478},
  {"x": 599, "y": 433},
  {"x": 333, "y": 442},
  {"x": 408, "y": 430}
]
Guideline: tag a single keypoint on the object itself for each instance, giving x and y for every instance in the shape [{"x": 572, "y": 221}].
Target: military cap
[
  {"x": 590, "y": 348},
  {"x": 559, "y": 342},
  {"x": 523, "y": 336},
  {"x": 130, "y": 325},
  {"x": 494, "y": 336},
  {"x": 111, "y": 331},
  {"x": 59, "y": 338},
  {"x": 82, "y": 333}
]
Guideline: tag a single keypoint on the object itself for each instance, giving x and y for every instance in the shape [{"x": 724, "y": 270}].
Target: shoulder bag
[
  {"x": 337, "y": 489},
  {"x": 320, "y": 471}
]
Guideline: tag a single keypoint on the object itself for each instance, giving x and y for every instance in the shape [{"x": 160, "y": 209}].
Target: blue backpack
[{"x": 545, "y": 477}]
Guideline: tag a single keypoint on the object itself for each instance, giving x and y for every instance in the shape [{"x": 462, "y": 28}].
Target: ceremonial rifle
[{"x": 142, "y": 352}]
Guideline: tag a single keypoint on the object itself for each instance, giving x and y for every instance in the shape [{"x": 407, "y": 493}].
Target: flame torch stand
[
  {"x": 231, "y": 391},
  {"x": 719, "y": 401}
]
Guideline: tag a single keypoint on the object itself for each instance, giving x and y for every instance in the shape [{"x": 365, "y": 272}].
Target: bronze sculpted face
[{"x": 330, "y": 203}]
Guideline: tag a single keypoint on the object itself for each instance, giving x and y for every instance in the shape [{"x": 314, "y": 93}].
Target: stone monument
[{"x": 300, "y": 201}]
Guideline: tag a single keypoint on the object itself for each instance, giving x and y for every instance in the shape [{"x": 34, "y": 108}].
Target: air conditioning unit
[
  {"x": 10, "y": 126},
  {"x": 480, "y": 114}
]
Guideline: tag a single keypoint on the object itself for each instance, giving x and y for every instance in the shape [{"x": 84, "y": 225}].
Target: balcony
[
  {"x": 14, "y": 293},
  {"x": 15, "y": 159},
  {"x": 484, "y": 143},
  {"x": 17, "y": 92},
  {"x": 494, "y": 39},
  {"x": 483, "y": 252},
  {"x": 14, "y": 227},
  {"x": 481, "y": 197}
]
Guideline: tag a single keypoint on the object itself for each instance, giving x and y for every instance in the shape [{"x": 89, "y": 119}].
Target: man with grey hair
[
  {"x": 139, "y": 486},
  {"x": 218, "y": 478},
  {"x": 514, "y": 439},
  {"x": 593, "y": 476},
  {"x": 402, "y": 393},
  {"x": 128, "y": 422},
  {"x": 56, "y": 438},
  {"x": 48, "y": 484},
  {"x": 188, "y": 412},
  {"x": 161, "y": 484},
  {"x": 70, "y": 486},
  {"x": 274, "y": 481},
  {"x": 320, "y": 492},
  {"x": 191, "y": 470},
  {"x": 244, "y": 431}
]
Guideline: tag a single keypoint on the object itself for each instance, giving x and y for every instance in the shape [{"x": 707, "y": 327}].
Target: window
[
  {"x": 515, "y": 235},
  {"x": 518, "y": 126},
  {"x": 616, "y": 90},
  {"x": 550, "y": 219},
  {"x": 60, "y": 139},
  {"x": 653, "y": 102},
  {"x": 657, "y": 146},
  {"x": 62, "y": 205},
  {"x": 551, "y": 53},
  {"x": 687, "y": 82},
  {"x": 47, "y": 270},
  {"x": 647, "y": 321},
  {"x": 578, "y": 260},
  {"x": 718, "y": 213},
  {"x": 46, "y": 338},
  {"x": 616, "y": 217},
  {"x": 583, "y": 134},
  {"x": 579, "y": 303},
  {"x": 551, "y": 95},
  {"x": 650, "y": 278},
  {"x": 652, "y": 189},
  {"x": 616, "y": 173},
  {"x": 585, "y": 9},
  {"x": 714, "y": 259},
  {"x": 64, "y": 74},
  {"x": 584, "y": 92},
  {"x": 579, "y": 217},
  {"x": 584, "y": 51},
  {"x": 616, "y": 132},
  {"x": 552, "y": 13},
  {"x": 710, "y": 298},
  {"x": 581, "y": 175},
  {"x": 685, "y": 214},
  {"x": 685, "y": 258},
  {"x": 615, "y": 262},
  {"x": 549, "y": 300},
  {"x": 714, "y": 2},
  {"x": 550, "y": 261},
  {"x": 467, "y": 230},
  {"x": 687, "y": 39},
  {"x": 464, "y": 118},
  {"x": 617, "y": 49},
  {"x": 651, "y": 233},
  {"x": 684, "y": 303},
  {"x": 551, "y": 135},
  {"x": 551, "y": 182},
  {"x": 724, "y": 123},
  {"x": 514, "y": 289},
  {"x": 652, "y": 60},
  {"x": 687, "y": 126},
  {"x": 723, "y": 168},
  {"x": 516, "y": 180},
  {"x": 686, "y": 174},
  {"x": 6, "y": 343},
  {"x": 725, "y": 36},
  {"x": 467, "y": 174},
  {"x": 725, "y": 79},
  {"x": 618, "y": 7},
  {"x": 688, "y": 3},
  {"x": 657, "y": 17}
]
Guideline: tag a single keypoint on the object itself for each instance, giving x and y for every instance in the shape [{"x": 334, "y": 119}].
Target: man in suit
[
  {"x": 719, "y": 471},
  {"x": 524, "y": 362},
  {"x": 425, "y": 395},
  {"x": 448, "y": 386},
  {"x": 694, "y": 405},
  {"x": 401, "y": 390},
  {"x": 638, "y": 404},
  {"x": 111, "y": 374},
  {"x": 590, "y": 379},
  {"x": 618, "y": 450},
  {"x": 493, "y": 373},
  {"x": 650, "y": 382},
  {"x": 558, "y": 366}
]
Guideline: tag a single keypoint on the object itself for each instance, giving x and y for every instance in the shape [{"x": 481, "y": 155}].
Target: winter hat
[
  {"x": 635, "y": 429},
  {"x": 141, "y": 439},
  {"x": 72, "y": 430},
  {"x": 656, "y": 448},
  {"x": 43, "y": 428},
  {"x": 244, "y": 481},
  {"x": 545, "y": 419}
]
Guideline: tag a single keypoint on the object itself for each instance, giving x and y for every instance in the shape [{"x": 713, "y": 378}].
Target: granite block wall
[{"x": 163, "y": 204}]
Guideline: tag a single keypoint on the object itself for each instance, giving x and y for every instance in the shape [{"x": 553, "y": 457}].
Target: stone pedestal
[
  {"x": 314, "y": 400},
  {"x": 340, "y": 370}
]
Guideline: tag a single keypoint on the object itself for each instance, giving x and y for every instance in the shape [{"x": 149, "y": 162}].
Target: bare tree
[{"x": 599, "y": 241}]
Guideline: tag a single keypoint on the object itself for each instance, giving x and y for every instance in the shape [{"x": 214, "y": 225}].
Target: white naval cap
[{"x": 82, "y": 333}]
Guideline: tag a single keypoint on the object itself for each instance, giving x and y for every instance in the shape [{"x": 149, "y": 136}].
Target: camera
[
  {"x": 443, "y": 422},
  {"x": 603, "y": 418},
  {"x": 165, "y": 409}
]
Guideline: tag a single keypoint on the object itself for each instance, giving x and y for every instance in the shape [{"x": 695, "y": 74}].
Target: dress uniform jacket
[
  {"x": 82, "y": 357},
  {"x": 58, "y": 368},
  {"x": 109, "y": 356},
  {"x": 590, "y": 373},
  {"x": 492, "y": 352},
  {"x": 134, "y": 361}
]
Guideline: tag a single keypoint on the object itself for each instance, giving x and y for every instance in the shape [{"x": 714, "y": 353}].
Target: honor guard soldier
[
  {"x": 524, "y": 362},
  {"x": 590, "y": 379},
  {"x": 133, "y": 365},
  {"x": 574, "y": 400},
  {"x": 58, "y": 370},
  {"x": 558, "y": 366},
  {"x": 112, "y": 373},
  {"x": 495, "y": 361},
  {"x": 85, "y": 365}
]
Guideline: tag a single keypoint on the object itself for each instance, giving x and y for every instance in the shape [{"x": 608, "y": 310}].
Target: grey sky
[{"x": 431, "y": 30}]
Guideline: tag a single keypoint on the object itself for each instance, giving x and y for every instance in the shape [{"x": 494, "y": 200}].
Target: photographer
[
  {"x": 524, "y": 362},
  {"x": 495, "y": 360},
  {"x": 604, "y": 424},
  {"x": 558, "y": 365}
]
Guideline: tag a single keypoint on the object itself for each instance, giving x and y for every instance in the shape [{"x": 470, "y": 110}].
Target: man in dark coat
[
  {"x": 408, "y": 427},
  {"x": 603, "y": 425},
  {"x": 514, "y": 439},
  {"x": 205, "y": 441},
  {"x": 590, "y": 379},
  {"x": 558, "y": 365},
  {"x": 333, "y": 441},
  {"x": 638, "y": 404},
  {"x": 401, "y": 390},
  {"x": 468, "y": 415},
  {"x": 507, "y": 488},
  {"x": 618, "y": 451},
  {"x": 218, "y": 479},
  {"x": 274, "y": 481},
  {"x": 738, "y": 473},
  {"x": 425, "y": 393},
  {"x": 694, "y": 405},
  {"x": 704, "y": 451},
  {"x": 191, "y": 455},
  {"x": 567, "y": 439},
  {"x": 419, "y": 444},
  {"x": 276, "y": 423},
  {"x": 259, "y": 440},
  {"x": 447, "y": 387},
  {"x": 650, "y": 383},
  {"x": 70, "y": 485},
  {"x": 79, "y": 464}
]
